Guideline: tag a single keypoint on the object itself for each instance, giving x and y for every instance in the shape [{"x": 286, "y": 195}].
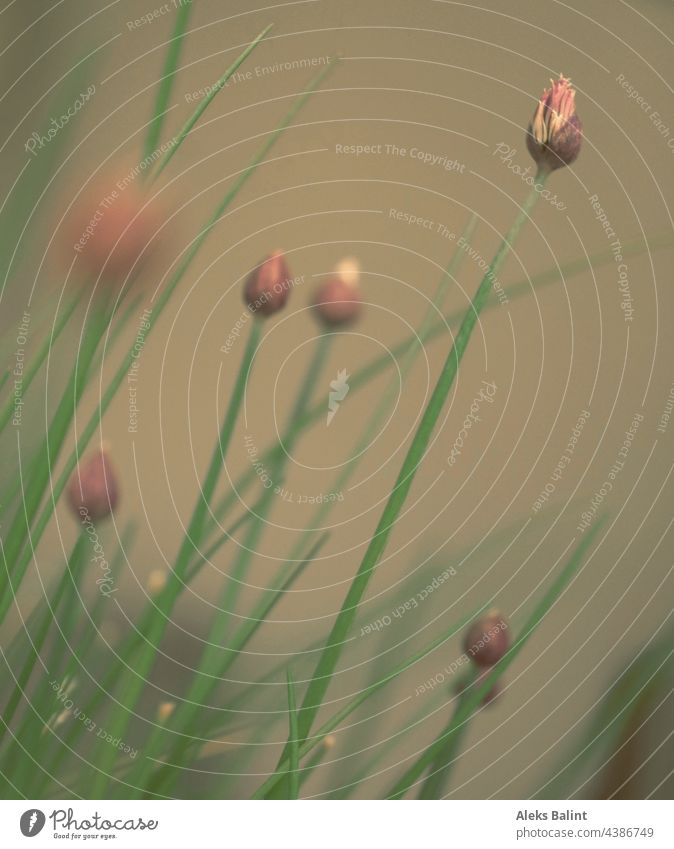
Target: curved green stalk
[
  {"x": 43, "y": 462},
  {"x": 120, "y": 375},
  {"x": 213, "y": 665},
  {"x": 253, "y": 622},
  {"x": 475, "y": 695},
  {"x": 387, "y": 399},
  {"x": 308, "y": 745},
  {"x": 205, "y": 103},
  {"x": 442, "y": 764}
]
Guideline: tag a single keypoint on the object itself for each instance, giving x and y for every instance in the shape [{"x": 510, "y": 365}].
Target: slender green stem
[
  {"x": 215, "y": 660},
  {"x": 205, "y": 103},
  {"x": 474, "y": 697},
  {"x": 145, "y": 657},
  {"x": 127, "y": 652},
  {"x": 293, "y": 740},
  {"x": 329, "y": 658},
  {"x": 118, "y": 327},
  {"x": 168, "y": 76},
  {"x": 652, "y": 667},
  {"x": 119, "y": 376},
  {"x": 315, "y": 760},
  {"x": 189, "y": 708},
  {"x": 387, "y": 400},
  {"x": 251, "y": 540},
  {"x": 248, "y": 547}
]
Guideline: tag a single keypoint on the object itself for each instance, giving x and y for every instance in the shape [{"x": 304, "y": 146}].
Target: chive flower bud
[
  {"x": 92, "y": 490},
  {"x": 555, "y": 133},
  {"x": 165, "y": 711},
  {"x": 268, "y": 286},
  {"x": 338, "y": 300},
  {"x": 487, "y": 639}
]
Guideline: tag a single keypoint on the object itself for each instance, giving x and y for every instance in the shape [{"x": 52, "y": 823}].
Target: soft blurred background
[{"x": 452, "y": 80}]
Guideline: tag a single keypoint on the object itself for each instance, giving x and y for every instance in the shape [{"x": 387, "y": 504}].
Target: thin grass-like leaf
[
  {"x": 307, "y": 745},
  {"x": 212, "y": 665},
  {"x": 650, "y": 669},
  {"x": 46, "y": 456},
  {"x": 36, "y": 638},
  {"x": 379, "y": 365},
  {"x": 145, "y": 656},
  {"x": 293, "y": 746}
]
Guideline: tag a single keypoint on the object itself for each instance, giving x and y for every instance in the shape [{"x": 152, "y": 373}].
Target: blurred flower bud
[
  {"x": 555, "y": 134},
  {"x": 329, "y": 742},
  {"x": 338, "y": 300},
  {"x": 487, "y": 639},
  {"x": 92, "y": 490},
  {"x": 112, "y": 230},
  {"x": 165, "y": 711},
  {"x": 268, "y": 286}
]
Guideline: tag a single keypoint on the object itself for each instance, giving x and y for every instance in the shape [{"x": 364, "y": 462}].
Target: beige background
[{"x": 454, "y": 80}]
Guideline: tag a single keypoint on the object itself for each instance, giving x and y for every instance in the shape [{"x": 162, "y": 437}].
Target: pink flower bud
[
  {"x": 487, "y": 639},
  {"x": 268, "y": 286},
  {"x": 555, "y": 134},
  {"x": 338, "y": 300},
  {"x": 92, "y": 490}
]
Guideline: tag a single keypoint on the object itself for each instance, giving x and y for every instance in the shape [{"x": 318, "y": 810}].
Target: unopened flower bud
[
  {"x": 555, "y": 134},
  {"x": 338, "y": 299},
  {"x": 487, "y": 639},
  {"x": 92, "y": 490},
  {"x": 268, "y": 286}
]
